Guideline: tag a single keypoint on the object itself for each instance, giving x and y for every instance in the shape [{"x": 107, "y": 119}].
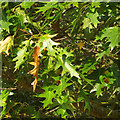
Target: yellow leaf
[
  {"x": 32, "y": 63},
  {"x": 33, "y": 72},
  {"x": 105, "y": 72},
  {"x": 6, "y": 44},
  {"x": 80, "y": 44},
  {"x": 34, "y": 84}
]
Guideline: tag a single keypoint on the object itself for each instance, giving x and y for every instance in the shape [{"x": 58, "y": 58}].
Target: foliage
[{"x": 75, "y": 50}]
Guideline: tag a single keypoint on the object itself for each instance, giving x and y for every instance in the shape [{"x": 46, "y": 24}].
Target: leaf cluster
[{"x": 75, "y": 50}]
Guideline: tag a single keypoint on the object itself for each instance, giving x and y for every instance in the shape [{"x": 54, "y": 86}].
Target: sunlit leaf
[
  {"x": 112, "y": 35},
  {"x": 98, "y": 90},
  {"x": 3, "y": 97},
  {"x": 48, "y": 94},
  {"x": 87, "y": 23},
  {"x": 47, "y": 7},
  {"x": 6, "y": 44},
  {"x": 93, "y": 18},
  {"x": 26, "y": 4},
  {"x": 47, "y": 42},
  {"x": 20, "y": 57},
  {"x": 67, "y": 67},
  {"x": 5, "y": 25}
]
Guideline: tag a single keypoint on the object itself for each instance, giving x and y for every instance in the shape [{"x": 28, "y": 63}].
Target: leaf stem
[{"x": 27, "y": 33}]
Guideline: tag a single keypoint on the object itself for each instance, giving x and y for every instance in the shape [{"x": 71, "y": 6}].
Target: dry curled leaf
[{"x": 34, "y": 72}]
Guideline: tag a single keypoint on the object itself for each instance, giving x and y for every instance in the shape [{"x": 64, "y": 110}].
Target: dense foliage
[{"x": 60, "y": 60}]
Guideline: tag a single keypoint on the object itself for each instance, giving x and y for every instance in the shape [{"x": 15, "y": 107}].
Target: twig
[
  {"x": 27, "y": 32},
  {"x": 59, "y": 39},
  {"x": 12, "y": 109},
  {"x": 8, "y": 88},
  {"x": 90, "y": 50},
  {"x": 51, "y": 110},
  {"x": 117, "y": 52}
]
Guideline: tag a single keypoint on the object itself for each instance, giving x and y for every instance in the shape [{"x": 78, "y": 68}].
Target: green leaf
[
  {"x": 100, "y": 55},
  {"x": 64, "y": 52},
  {"x": 86, "y": 79},
  {"x": 80, "y": 99},
  {"x": 47, "y": 14},
  {"x": 67, "y": 67},
  {"x": 95, "y": 4},
  {"x": 89, "y": 65},
  {"x": 62, "y": 112},
  {"x": 62, "y": 99},
  {"x": 5, "y": 25},
  {"x": 87, "y": 23},
  {"x": 48, "y": 94},
  {"x": 61, "y": 87},
  {"x": 20, "y": 57},
  {"x": 98, "y": 90},
  {"x": 26, "y": 4},
  {"x": 112, "y": 35},
  {"x": 93, "y": 18},
  {"x": 3, "y": 97},
  {"x": 47, "y": 42},
  {"x": 46, "y": 7},
  {"x": 84, "y": 97},
  {"x": 116, "y": 90},
  {"x": 22, "y": 17}
]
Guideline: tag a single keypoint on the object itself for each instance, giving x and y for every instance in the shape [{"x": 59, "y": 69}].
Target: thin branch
[
  {"x": 90, "y": 50},
  {"x": 8, "y": 88},
  {"x": 56, "y": 40},
  {"x": 27, "y": 33},
  {"x": 51, "y": 110},
  {"x": 117, "y": 52},
  {"x": 12, "y": 109}
]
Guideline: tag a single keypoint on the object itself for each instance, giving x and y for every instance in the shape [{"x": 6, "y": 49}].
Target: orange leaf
[
  {"x": 34, "y": 72},
  {"x": 36, "y": 53},
  {"x": 80, "y": 44}
]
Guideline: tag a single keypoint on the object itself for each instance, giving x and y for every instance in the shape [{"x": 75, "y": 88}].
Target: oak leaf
[
  {"x": 6, "y": 44},
  {"x": 34, "y": 72}
]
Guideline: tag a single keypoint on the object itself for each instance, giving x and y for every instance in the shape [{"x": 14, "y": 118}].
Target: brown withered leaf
[
  {"x": 36, "y": 54},
  {"x": 34, "y": 72}
]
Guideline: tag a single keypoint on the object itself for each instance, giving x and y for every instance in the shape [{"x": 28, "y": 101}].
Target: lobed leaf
[{"x": 6, "y": 44}]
